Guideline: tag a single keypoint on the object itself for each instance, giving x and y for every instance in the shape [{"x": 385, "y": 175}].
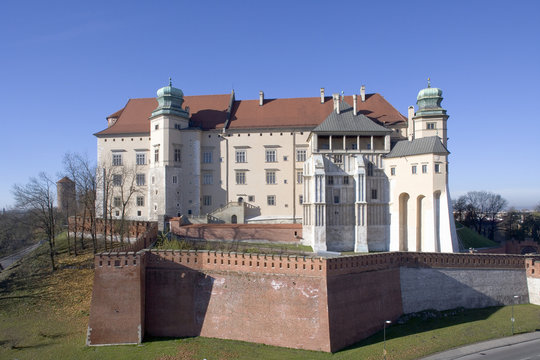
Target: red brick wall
[
  {"x": 271, "y": 232},
  {"x": 117, "y": 307},
  {"x": 533, "y": 267},
  {"x": 133, "y": 228},
  {"x": 273, "y": 300}
]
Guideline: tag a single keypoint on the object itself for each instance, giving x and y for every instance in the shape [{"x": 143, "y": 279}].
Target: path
[{"x": 9, "y": 260}]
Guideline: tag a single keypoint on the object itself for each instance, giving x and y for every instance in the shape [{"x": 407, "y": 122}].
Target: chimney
[
  {"x": 363, "y": 92},
  {"x": 355, "y": 108},
  {"x": 322, "y": 95},
  {"x": 410, "y": 122},
  {"x": 336, "y": 102},
  {"x": 261, "y": 98}
]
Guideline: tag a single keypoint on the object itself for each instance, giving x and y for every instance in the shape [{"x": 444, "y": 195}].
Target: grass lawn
[
  {"x": 44, "y": 315},
  {"x": 471, "y": 239}
]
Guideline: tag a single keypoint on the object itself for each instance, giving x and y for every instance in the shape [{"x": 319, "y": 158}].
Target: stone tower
[{"x": 65, "y": 192}]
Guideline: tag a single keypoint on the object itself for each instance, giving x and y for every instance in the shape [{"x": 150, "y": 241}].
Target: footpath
[
  {"x": 7, "y": 261},
  {"x": 484, "y": 346}
]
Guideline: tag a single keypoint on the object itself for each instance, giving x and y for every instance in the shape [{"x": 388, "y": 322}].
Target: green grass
[
  {"x": 233, "y": 246},
  {"x": 44, "y": 315},
  {"x": 471, "y": 239}
]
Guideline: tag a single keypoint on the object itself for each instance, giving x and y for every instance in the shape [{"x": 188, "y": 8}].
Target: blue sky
[{"x": 66, "y": 65}]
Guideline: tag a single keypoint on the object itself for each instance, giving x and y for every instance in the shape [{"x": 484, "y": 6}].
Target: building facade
[{"x": 354, "y": 171}]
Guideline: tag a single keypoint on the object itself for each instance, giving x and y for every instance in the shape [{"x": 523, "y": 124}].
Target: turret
[{"x": 430, "y": 118}]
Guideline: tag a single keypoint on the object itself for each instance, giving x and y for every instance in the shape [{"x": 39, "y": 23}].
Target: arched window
[{"x": 234, "y": 219}]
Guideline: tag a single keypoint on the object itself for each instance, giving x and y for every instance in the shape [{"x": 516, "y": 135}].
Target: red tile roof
[{"x": 210, "y": 112}]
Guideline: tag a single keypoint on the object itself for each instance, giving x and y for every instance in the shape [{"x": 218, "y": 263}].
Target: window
[
  {"x": 116, "y": 201},
  {"x": 431, "y": 126},
  {"x": 424, "y": 169},
  {"x": 117, "y": 180},
  {"x": 285, "y": 158},
  {"x": 330, "y": 180},
  {"x": 240, "y": 178},
  {"x": 336, "y": 199},
  {"x": 345, "y": 180},
  {"x": 207, "y": 200},
  {"x": 251, "y": 198},
  {"x": 139, "y": 212},
  {"x": 156, "y": 127},
  {"x": 270, "y": 177},
  {"x": 368, "y": 146},
  {"x": 140, "y": 180},
  {"x": 175, "y": 179},
  {"x": 117, "y": 159},
  {"x": 370, "y": 169},
  {"x": 393, "y": 171},
  {"x": 271, "y": 200},
  {"x": 299, "y": 177},
  {"x": 241, "y": 156},
  {"x": 353, "y": 146},
  {"x": 140, "y": 159},
  {"x": 413, "y": 169},
  {"x": 301, "y": 199},
  {"x": 300, "y": 155},
  {"x": 153, "y": 180},
  {"x": 438, "y": 168},
  {"x": 207, "y": 157},
  {"x": 271, "y": 156},
  {"x": 156, "y": 156},
  {"x": 140, "y": 201},
  {"x": 373, "y": 194},
  {"x": 177, "y": 155},
  {"x": 208, "y": 179},
  {"x": 338, "y": 159}
]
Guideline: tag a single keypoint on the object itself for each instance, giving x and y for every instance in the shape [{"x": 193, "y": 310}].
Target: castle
[{"x": 357, "y": 174}]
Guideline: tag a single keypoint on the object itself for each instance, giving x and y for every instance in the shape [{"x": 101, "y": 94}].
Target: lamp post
[
  {"x": 513, "y": 319},
  {"x": 387, "y": 322}
]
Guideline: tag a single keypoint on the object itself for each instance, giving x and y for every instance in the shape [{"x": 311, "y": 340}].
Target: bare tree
[
  {"x": 123, "y": 191},
  {"x": 480, "y": 210},
  {"x": 37, "y": 198}
]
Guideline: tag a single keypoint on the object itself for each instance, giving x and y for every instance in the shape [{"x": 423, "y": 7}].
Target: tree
[
  {"x": 83, "y": 173},
  {"x": 480, "y": 210},
  {"x": 37, "y": 198}
]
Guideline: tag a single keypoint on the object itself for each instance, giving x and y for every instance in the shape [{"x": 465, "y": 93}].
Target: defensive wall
[
  {"x": 291, "y": 301},
  {"x": 281, "y": 233},
  {"x": 533, "y": 279},
  {"x": 513, "y": 247},
  {"x": 133, "y": 229}
]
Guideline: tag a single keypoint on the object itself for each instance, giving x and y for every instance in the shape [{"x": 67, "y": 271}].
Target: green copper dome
[
  {"x": 429, "y": 101},
  {"x": 170, "y": 100}
]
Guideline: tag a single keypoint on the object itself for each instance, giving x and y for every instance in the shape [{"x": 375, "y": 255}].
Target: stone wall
[
  {"x": 291, "y": 301},
  {"x": 533, "y": 280}
]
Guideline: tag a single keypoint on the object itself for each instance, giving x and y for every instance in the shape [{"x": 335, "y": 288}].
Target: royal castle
[{"x": 356, "y": 173}]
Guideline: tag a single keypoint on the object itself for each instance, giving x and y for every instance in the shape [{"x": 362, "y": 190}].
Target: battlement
[
  {"x": 532, "y": 266},
  {"x": 241, "y": 262},
  {"x": 117, "y": 259}
]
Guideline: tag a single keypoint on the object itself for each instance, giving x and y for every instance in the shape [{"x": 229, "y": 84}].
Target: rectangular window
[
  {"x": 117, "y": 159},
  {"x": 353, "y": 146},
  {"x": 431, "y": 126},
  {"x": 175, "y": 179},
  {"x": 156, "y": 127},
  {"x": 299, "y": 177},
  {"x": 330, "y": 180},
  {"x": 271, "y": 200},
  {"x": 301, "y": 155},
  {"x": 368, "y": 146},
  {"x": 270, "y": 177},
  {"x": 140, "y": 201},
  {"x": 207, "y": 200},
  {"x": 413, "y": 169},
  {"x": 116, "y": 201},
  {"x": 207, "y": 157},
  {"x": 251, "y": 198},
  {"x": 373, "y": 194},
  {"x": 117, "y": 180},
  {"x": 301, "y": 199},
  {"x": 271, "y": 156},
  {"x": 208, "y": 179},
  {"x": 370, "y": 169},
  {"x": 140, "y": 159},
  {"x": 438, "y": 168},
  {"x": 336, "y": 199},
  {"x": 241, "y": 156},
  {"x": 393, "y": 171},
  {"x": 424, "y": 169},
  {"x": 156, "y": 156},
  {"x": 338, "y": 159},
  {"x": 177, "y": 155},
  {"x": 240, "y": 178},
  {"x": 345, "y": 180},
  {"x": 140, "y": 180}
]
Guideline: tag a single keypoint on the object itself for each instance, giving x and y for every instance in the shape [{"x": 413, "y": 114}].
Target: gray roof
[
  {"x": 346, "y": 122},
  {"x": 427, "y": 145}
]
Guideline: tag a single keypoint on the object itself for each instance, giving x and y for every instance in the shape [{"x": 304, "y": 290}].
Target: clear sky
[{"x": 66, "y": 65}]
